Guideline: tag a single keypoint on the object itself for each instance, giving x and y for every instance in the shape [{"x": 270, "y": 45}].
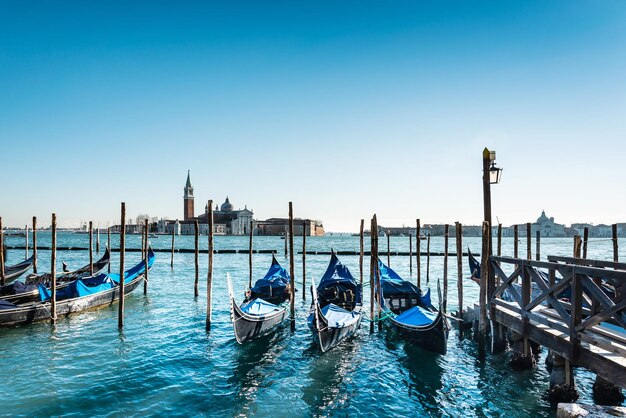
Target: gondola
[
  {"x": 336, "y": 309},
  {"x": 18, "y": 292},
  {"x": 411, "y": 313},
  {"x": 80, "y": 295},
  {"x": 263, "y": 309},
  {"x": 13, "y": 272}
]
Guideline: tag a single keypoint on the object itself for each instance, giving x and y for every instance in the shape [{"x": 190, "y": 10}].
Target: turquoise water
[{"x": 164, "y": 362}]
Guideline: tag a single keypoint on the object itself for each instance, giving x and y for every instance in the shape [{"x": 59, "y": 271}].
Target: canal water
[{"x": 165, "y": 363}]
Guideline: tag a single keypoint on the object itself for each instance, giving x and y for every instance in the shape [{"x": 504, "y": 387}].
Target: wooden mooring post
[
  {"x": 120, "y": 316},
  {"x": 585, "y": 240},
  {"x": 35, "y": 244},
  {"x": 410, "y": 255},
  {"x": 515, "y": 241},
  {"x": 303, "y": 260},
  {"x": 286, "y": 237},
  {"x": 418, "y": 255},
  {"x": 428, "y": 259},
  {"x": 2, "y": 280},
  {"x": 361, "y": 252},
  {"x": 196, "y": 263},
  {"x": 377, "y": 275},
  {"x": 529, "y": 255},
  {"x": 109, "y": 247},
  {"x": 446, "y": 234},
  {"x": 388, "y": 249},
  {"x": 209, "y": 277},
  {"x": 499, "y": 240},
  {"x": 372, "y": 294},
  {"x": 147, "y": 245},
  {"x": 538, "y": 245},
  {"x": 292, "y": 271},
  {"x": 53, "y": 274},
  {"x": 91, "y": 248},
  {"x": 459, "y": 268},
  {"x": 172, "y": 258},
  {"x": 615, "y": 248},
  {"x": 482, "y": 299},
  {"x": 98, "y": 239},
  {"x": 250, "y": 257}
]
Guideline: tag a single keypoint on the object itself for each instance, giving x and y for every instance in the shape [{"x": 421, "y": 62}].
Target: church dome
[
  {"x": 543, "y": 218},
  {"x": 226, "y": 206}
]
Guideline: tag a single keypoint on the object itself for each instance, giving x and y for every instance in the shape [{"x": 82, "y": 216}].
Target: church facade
[{"x": 226, "y": 220}]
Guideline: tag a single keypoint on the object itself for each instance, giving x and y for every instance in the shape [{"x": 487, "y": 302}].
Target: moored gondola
[
  {"x": 336, "y": 309},
  {"x": 411, "y": 313},
  {"x": 13, "y": 272},
  {"x": 18, "y": 292},
  {"x": 263, "y": 310},
  {"x": 80, "y": 295}
]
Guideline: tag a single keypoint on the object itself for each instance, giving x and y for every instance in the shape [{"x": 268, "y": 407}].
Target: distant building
[
  {"x": 546, "y": 227},
  {"x": 280, "y": 226}
]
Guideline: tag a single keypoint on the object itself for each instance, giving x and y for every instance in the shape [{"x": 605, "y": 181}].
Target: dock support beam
[
  {"x": 606, "y": 393},
  {"x": 562, "y": 386},
  {"x": 522, "y": 354}
]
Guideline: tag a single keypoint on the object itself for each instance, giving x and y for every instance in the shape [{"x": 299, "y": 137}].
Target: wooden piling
[
  {"x": 410, "y": 255},
  {"x": 250, "y": 258},
  {"x": 446, "y": 234},
  {"x": 26, "y": 244},
  {"x": 577, "y": 246},
  {"x": 98, "y": 239},
  {"x": 35, "y": 244},
  {"x": 615, "y": 252},
  {"x": 459, "y": 267},
  {"x": 143, "y": 241},
  {"x": 209, "y": 277},
  {"x": 53, "y": 274},
  {"x": 145, "y": 278},
  {"x": 418, "y": 255},
  {"x": 538, "y": 245},
  {"x": 2, "y": 280},
  {"x": 484, "y": 271},
  {"x": 303, "y": 260},
  {"x": 120, "y": 316},
  {"x": 428, "y": 259},
  {"x": 529, "y": 255},
  {"x": 286, "y": 236},
  {"x": 499, "y": 240},
  {"x": 585, "y": 240},
  {"x": 372, "y": 262},
  {"x": 361, "y": 252},
  {"x": 515, "y": 241},
  {"x": 292, "y": 271},
  {"x": 377, "y": 274},
  {"x": 91, "y": 248},
  {"x": 388, "y": 252},
  {"x": 109, "y": 246},
  {"x": 172, "y": 258},
  {"x": 195, "y": 258}
]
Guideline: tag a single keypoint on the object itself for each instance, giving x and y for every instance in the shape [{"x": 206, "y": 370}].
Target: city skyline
[{"x": 345, "y": 110}]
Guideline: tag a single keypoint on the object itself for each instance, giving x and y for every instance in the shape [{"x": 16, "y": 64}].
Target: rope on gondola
[{"x": 388, "y": 315}]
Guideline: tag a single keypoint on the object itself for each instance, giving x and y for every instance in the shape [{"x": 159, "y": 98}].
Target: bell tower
[{"x": 188, "y": 199}]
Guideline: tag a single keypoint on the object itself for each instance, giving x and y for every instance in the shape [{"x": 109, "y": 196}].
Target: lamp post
[{"x": 491, "y": 175}]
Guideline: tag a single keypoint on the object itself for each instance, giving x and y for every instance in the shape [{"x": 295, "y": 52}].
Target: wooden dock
[{"x": 587, "y": 327}]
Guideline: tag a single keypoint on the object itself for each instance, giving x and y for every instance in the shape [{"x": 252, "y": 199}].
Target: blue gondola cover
[
  {"x": 337, "y": 284},
  {"x": 274, "y": 283}
]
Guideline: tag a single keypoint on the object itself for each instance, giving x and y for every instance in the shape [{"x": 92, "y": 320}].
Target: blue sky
[{"x": 345, "y": 108}]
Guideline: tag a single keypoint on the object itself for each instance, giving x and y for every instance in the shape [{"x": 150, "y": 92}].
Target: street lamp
[{"x": 495, "y": 173}]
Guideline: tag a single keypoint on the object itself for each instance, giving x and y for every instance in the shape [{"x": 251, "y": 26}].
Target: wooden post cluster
[
  {"x": 91, "y": 248},
  {"x": 303, "y": 260},
  {"x": 446, "y": 234},
  {"x": 418, "y": 255},
  {"x": 459, "y": 267},
  {"x": 53, "y": 274},
  {"x": 250, "y": 258},
  {"x": 292, "y": 271},
  {"x": 147, "y": 245},
  {"x": 35, "y": 244},
  {"x": 209, "y": 277},
  {"x": 2, "y": 280},
  {"x": 120, "y": 316},
  {"x": 195, "y": 258},
  {"x": 361, "y": 251}
]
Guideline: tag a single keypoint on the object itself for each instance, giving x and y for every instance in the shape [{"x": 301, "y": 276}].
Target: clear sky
[{"x": 345, "y": 108}]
